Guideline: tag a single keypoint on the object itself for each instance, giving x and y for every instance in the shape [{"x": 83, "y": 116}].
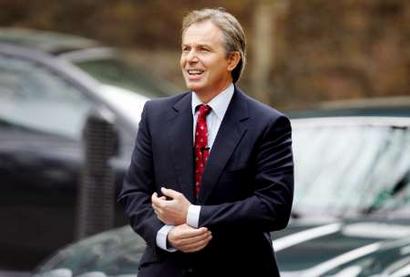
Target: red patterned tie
[{"x": 201, "y": 145}]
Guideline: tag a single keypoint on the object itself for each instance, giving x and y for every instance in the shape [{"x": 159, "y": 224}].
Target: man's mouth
[{"x": 195, "y": 72}]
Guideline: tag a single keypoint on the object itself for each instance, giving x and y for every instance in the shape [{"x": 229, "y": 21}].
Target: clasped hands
[{"x": 172, "y": 209}]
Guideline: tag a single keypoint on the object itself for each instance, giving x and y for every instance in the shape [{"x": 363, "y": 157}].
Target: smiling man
[{"x": 212, "y": 170}]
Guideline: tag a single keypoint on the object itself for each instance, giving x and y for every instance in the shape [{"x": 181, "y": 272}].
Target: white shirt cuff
[
  {"x": 192, "y": 218},
  {"x": 162, "y": 238}
]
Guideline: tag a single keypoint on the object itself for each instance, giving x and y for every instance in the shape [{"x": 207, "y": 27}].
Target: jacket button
[{"x": 188, "y": 271}]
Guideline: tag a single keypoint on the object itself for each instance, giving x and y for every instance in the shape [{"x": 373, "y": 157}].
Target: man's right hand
[{"x": 188, "y": 239}]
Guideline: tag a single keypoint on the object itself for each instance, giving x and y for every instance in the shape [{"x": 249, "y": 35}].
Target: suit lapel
[
  {"x": 229, "y": 135},
  {"x": 180, "y": 135}
]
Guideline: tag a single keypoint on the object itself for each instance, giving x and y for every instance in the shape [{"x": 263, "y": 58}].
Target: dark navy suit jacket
[{"x": 246, "y": 190}]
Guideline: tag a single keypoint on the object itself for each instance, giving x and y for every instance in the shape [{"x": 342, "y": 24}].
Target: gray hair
[{"x": 234, "y": 36}]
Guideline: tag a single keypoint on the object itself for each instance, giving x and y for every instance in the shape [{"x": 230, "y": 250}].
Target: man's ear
[{"x": 233, "y": 60}]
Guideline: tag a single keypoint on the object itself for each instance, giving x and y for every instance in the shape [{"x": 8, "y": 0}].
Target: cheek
[{"x": 182, "y": 62}]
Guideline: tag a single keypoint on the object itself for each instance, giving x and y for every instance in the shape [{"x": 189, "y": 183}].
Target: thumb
[{"x": 169, "y": 192}]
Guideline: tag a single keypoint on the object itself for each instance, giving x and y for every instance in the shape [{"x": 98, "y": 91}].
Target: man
[{"x": 212, "y": 170}]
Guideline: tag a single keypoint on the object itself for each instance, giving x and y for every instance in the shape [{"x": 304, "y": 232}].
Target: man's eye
[{"x": 204, "y": 50}]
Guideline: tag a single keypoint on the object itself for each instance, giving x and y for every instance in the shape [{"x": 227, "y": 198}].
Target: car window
[
  {"x": 31, "y": 96},
  {"x": 348, "y": 169},
  {"x": 115, "y": 72}
]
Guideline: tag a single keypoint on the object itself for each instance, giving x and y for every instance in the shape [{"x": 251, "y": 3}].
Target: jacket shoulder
[
  {"x": 260, "y": 110},
  {"x": 159, "y": 105}
]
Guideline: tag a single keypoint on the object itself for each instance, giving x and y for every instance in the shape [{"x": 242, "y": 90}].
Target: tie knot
[{"x": 204, "y": 110}]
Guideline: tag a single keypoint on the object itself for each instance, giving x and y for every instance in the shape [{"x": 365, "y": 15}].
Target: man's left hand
[{"x": 172, "y": 210}]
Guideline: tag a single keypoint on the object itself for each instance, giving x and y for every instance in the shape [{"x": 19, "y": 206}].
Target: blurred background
[
  {"x": 300, "y": 52},
  {"x": 75, "y": 74}
]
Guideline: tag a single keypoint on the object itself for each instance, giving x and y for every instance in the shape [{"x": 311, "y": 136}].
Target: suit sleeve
[
  {"x": 269, "y": 207},
  {"x": 139, "y": 184}
]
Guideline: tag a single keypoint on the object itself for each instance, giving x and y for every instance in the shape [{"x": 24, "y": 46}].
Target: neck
[{"x": 207, "y": 96}]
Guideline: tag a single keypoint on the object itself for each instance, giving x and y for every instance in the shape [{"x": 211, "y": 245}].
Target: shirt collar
[{"x": 219, "y": 103}]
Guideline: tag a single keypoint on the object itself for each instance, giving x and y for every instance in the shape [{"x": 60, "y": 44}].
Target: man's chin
[{"x": 194, "y": 87}]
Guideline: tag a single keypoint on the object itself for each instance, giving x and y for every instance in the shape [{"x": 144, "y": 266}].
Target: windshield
[
  {"x": 112, "y": 253},
  {"x": 397, "y": 203},
  {"x": 345, "y": 170},
  {"x": 115, "y": 72}
]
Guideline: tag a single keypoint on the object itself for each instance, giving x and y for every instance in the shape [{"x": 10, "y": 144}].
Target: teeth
[{"x": 194, "y": 71}]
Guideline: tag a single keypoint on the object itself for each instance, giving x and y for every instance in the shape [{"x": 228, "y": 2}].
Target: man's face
[{"x": 204, "y": 63}]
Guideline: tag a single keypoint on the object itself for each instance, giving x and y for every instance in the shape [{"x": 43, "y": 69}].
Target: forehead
[{"x": 204, "y": 32}]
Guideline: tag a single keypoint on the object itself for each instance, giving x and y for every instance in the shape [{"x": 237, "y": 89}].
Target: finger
[
  {"x": 154, "y": 198},
  {"x": 170, "y": 192},
  {"x": 159, "y": 212},
  {"x": 196, "y": 246},
  {"x": 157, "y": 199},
  {"x": 157, "y": 202},
  {"x": 192, "y": 232},
  {"x": 155, "y": 205},
  {"x": 195, "y": 249},
  {"x": 196, "y": 239},
  {"x": 156, "y": 208},
  {"x": 183, "y": 231}
]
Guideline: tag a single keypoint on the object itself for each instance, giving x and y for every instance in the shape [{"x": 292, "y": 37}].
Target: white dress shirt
[{"x": 219, "y": 105}]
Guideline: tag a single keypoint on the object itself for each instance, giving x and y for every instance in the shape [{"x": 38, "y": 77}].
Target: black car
[
  {"x": 49, "y": 84},
  {"x": 352, "y": 199}
]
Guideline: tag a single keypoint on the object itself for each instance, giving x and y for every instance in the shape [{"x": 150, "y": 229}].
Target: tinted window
[{"x": 33, "y": 97}]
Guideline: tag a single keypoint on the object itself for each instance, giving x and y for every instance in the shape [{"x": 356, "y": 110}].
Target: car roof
[
  {"x": 398, "y": 106},
  {"x": 45, "y": 41}
]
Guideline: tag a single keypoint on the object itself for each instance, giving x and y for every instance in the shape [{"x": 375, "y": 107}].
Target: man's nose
[{"x": 192, "y": 56}]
